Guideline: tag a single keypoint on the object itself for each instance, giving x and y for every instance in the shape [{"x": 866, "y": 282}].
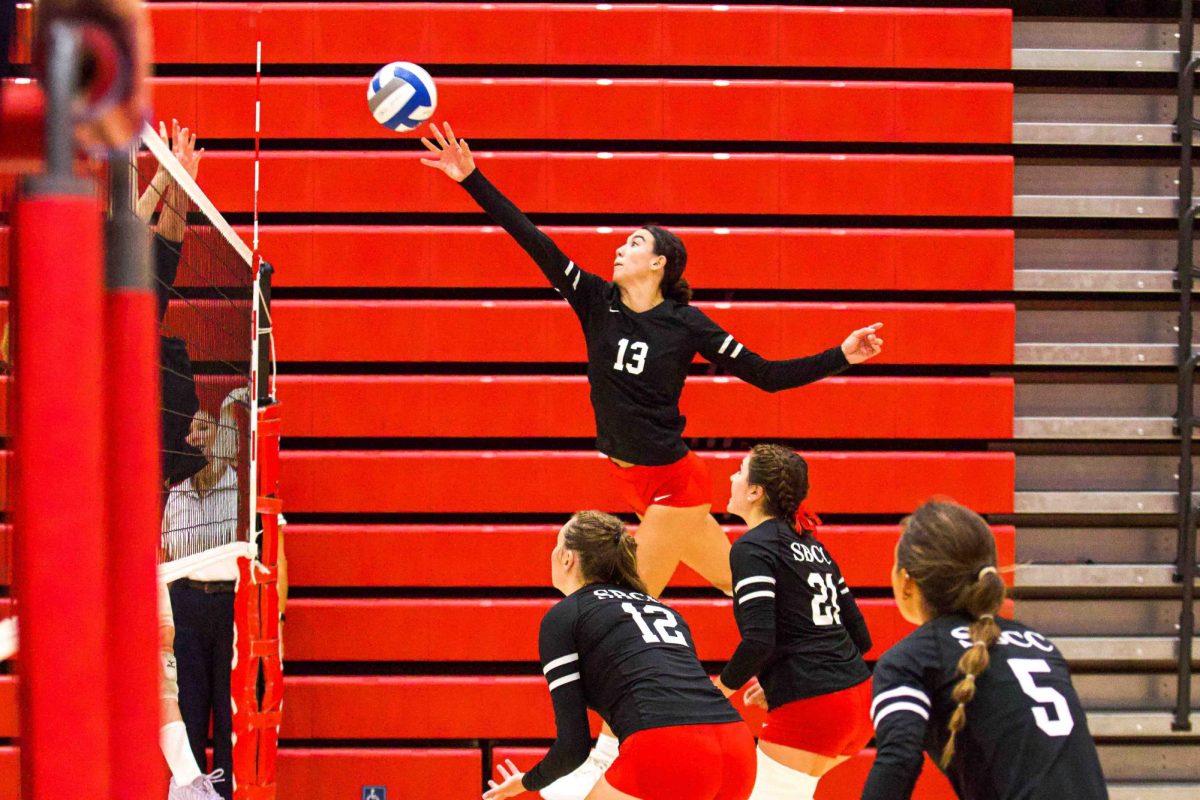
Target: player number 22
[
  {"x": 825, "y": 608},
  {"x": 667, "y": 626},
  {"x": 637, "y": 357},
  {"x": 1061, "y": 724}
]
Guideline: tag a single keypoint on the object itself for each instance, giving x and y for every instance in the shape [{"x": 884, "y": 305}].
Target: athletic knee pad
[
  {"x": 170, "y": 676},
  {"x": 774, "y": 781}
]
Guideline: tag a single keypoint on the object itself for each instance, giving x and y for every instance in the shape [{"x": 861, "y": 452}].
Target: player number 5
[{"x": 1061, "y": 724}]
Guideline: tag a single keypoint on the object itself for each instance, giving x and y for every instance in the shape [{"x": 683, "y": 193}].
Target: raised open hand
[{"x": 453, "y": 155}]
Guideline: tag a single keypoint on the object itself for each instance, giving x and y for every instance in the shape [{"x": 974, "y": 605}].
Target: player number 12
[{"x": 667, "y": 627}]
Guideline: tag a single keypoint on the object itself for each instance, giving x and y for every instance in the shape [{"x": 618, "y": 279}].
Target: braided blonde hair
[{"x": 950, "y": 553}]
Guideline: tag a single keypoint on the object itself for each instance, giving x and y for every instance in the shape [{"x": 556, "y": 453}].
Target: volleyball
[{"x": 401, "y": 96}]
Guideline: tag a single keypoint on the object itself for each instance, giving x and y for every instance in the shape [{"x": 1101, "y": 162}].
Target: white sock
[
  {"x": 777, "y": 782},
  {"x": 173, "y": 739},
  {"x": 606, "y": 747}
]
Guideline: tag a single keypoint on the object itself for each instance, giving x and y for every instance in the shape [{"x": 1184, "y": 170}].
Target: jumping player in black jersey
[
  {"x": 988, "y": 698},
  {"x": 611, "y": 646},
  {"x": 802, "y": 633},
  {"x": 641, "y": 337}
]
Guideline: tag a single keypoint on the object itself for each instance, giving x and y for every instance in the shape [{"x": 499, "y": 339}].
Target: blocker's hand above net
[{"x": 453, "y": 155}]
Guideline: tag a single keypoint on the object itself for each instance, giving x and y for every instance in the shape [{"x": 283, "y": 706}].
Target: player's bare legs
[
  {"x": 706, "y": 551},
  {"x": 804, "y": 761},
  {"x": 663, "y": 541}
]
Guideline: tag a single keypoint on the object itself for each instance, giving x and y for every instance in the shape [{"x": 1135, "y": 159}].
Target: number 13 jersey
[
  {"x": 1025, "y": 735},
  {"x": 638, "y": 361},
  {"x": 629, "y": 657}
]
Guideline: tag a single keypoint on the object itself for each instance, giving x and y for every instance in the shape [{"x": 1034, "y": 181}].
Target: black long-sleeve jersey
[
  {"x": 802, "y": 632},
  {"x": 180, "y": 460},
  {"x": 632, "y": 659},
  {"x": 637, "y": 361},
  {"x": 1025, "y": 737}
]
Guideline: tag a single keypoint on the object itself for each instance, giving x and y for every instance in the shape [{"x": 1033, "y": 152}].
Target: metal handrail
[{"x": 1186, "y": 125}]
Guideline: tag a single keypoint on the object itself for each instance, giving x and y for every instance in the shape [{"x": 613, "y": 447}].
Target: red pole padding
[
  {"x": 59, "y": 508},
  {"x": 257, "y": 678},
  {"x": 132, "y": 469}
]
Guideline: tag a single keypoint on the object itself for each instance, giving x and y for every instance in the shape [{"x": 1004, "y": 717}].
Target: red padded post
[
  {"x": 59, "y": 510},
  {"x": 132, "y": 472}
]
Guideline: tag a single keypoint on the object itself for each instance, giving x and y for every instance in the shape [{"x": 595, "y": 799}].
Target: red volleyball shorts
[
  {"x": 835, "y": 724},
  {"x": 684, "y": 484},
  {"x": 686, "y": 762}
]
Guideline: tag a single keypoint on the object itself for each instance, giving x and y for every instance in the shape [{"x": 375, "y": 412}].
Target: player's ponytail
[
  {"x": 674, "y": 285},
  {"x": 783, "y": 475},
  {"x": 607, "y": 551},
  {"x": 950, "y": 553}
]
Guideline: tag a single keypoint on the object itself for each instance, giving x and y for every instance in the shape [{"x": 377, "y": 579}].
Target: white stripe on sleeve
[
  {"x": 560, "y": 662},
  {"x": 754, "y": 579},
  {"x": 753, "y": 595},
  {"x": 574, "y": 676},
  {"x": 575, "y": 283},
  {"x": 725, "y": 344},
  {"x": 736, "y": 350},
  {"x": 899, "y": 706},
  {"x": 570, "y": 266},
  {"x": 899, "y": 691}
]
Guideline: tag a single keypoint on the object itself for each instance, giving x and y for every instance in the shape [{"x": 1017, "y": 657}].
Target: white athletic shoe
[
  {"x": 199, "y": 789},
  {"x": 576, "y": 785}
]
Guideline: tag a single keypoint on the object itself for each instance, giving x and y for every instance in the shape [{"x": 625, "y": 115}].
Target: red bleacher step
[
  {"x": 445, "y": 256},
  {"x": 518, "y": 555},
  {"x": 558, "y": 406},
  {"x": 781, "y": 258},
  {"x": 507, "y": 482},
  {"x": 498, "y": 630},
  {"x": 548, "y": 331},
  {"x": 429, "y": 773},
  {"x": 558, "y": 108},
  {"x": 568, "y": 33}
]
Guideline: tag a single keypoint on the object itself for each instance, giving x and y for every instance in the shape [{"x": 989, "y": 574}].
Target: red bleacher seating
[
  {"x": 756, "y": 110},
  {"x": 558, "y": 406},
  {"x": 498, "y": 630},
  {"x": 518, "y": 555},
  {"x": 598, "y": 183},
  {"x": 781, "y": 258},
  {"x": 486, "y": 257},
  {"x": 514, "y": 481},
  {"x": 547, "y": 331},
  {"x": 562, "y": 33}
]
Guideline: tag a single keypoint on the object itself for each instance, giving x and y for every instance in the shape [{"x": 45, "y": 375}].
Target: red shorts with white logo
[
  {"x": 686, "y": 762},
  {"x": 834, "y": 724},
  {"x": 684, "y": 484}
]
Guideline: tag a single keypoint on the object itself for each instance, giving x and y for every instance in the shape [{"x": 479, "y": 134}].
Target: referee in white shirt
[{"x": 202, "y": 513}]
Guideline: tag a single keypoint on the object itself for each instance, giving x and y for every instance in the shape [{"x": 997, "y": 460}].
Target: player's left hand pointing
[
  {"x": 511, "y": 785},
  {"x": 863, "y": 344}
]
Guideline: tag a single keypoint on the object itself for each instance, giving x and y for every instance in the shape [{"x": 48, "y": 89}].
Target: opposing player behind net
[
  {"x": 990, "y": 699},
  {"x": 641, "y": 336},
  {"x": 802, "y": 632},
  {"x": 680, "y": 739}
]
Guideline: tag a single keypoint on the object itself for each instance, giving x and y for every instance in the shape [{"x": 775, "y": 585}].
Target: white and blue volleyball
[{"x": 401, "y": 96}]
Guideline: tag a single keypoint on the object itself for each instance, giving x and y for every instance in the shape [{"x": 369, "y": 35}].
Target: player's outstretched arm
[
  {"x": 724, "y": 350},
  {"x": 455, "y": 160}
]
